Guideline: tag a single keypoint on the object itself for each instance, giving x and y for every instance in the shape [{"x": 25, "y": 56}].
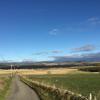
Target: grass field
[
  {"x": 82, "y": 83},
  {"x": 4, "y": 86},
  {"x": 71, "y": 79}
]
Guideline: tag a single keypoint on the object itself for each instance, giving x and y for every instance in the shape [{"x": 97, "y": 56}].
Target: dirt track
[{"x": 20, "y": 91}]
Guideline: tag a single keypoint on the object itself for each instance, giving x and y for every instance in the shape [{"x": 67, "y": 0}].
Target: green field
[
  {"x": 4, "y": 86},
  {"x": 79, "y": 83}
]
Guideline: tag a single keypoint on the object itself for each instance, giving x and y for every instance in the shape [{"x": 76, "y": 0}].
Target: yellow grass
[
  {"x": 41, "y": 71},
  {"x": 46, "y": 71},
  {"x": 4, "y": 72}
]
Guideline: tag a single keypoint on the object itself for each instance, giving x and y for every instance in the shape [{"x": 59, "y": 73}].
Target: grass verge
[{"x": 5, "y": 87}]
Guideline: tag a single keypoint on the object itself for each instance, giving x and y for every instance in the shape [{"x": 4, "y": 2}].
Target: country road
[{"x": 20, "y": 91}]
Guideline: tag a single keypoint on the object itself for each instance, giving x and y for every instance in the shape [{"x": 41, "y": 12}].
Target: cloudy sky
[{"x": 49, "y": 29}]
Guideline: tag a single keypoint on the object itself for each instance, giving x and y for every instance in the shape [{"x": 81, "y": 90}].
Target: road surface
[{"x": 20, "y": 91}]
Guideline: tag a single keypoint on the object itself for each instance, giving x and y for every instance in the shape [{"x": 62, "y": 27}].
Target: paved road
[{"x": 20, "y": 91}]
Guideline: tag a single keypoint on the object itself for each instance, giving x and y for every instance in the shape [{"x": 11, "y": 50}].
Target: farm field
[
  {"x": 81, "y": 83},
  {"x": 46, "y": 71}
]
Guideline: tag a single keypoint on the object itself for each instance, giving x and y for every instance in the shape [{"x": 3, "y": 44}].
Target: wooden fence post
[{"x": 90, "y": 96}]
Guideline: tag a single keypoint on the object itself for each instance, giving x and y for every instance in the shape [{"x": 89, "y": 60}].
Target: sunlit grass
[
  {"x": 83, "y": 83},
  {"x": 4, "y": 86}
]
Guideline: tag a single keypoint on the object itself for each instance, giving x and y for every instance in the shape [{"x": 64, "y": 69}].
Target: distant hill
[{"x": 25, "y": 65}]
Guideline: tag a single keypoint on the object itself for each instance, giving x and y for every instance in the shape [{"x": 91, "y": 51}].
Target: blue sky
[{"x": 45, "y": 29}]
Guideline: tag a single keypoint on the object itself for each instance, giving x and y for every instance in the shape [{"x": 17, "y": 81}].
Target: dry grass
[
  {"x": 5, "y": 72},
  {"x": 41, "y": 71},
  {"x": 47, "y": 71},
  {"x": 1, "y": 84}
]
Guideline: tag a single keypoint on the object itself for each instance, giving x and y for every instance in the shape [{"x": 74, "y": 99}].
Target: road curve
[{"x": 20, "y": 91}]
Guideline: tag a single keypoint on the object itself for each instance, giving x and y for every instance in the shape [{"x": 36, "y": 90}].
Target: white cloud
[
  {"x": 79, "y": 57},
  {"x": 41, "y": 53},
  {"x": 94, "y": 20},
  {"x": 48, "y": 52},
  {"x": 54, "y": 31},
  {"x": 85, "y": 48},
  {"x": 56, "y": 51}
]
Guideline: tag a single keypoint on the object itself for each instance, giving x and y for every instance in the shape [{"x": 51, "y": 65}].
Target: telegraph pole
[{"x": 11, "y": 70}]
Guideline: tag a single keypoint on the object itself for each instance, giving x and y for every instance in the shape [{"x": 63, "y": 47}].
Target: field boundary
[{"x": 50, "y": 92}]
